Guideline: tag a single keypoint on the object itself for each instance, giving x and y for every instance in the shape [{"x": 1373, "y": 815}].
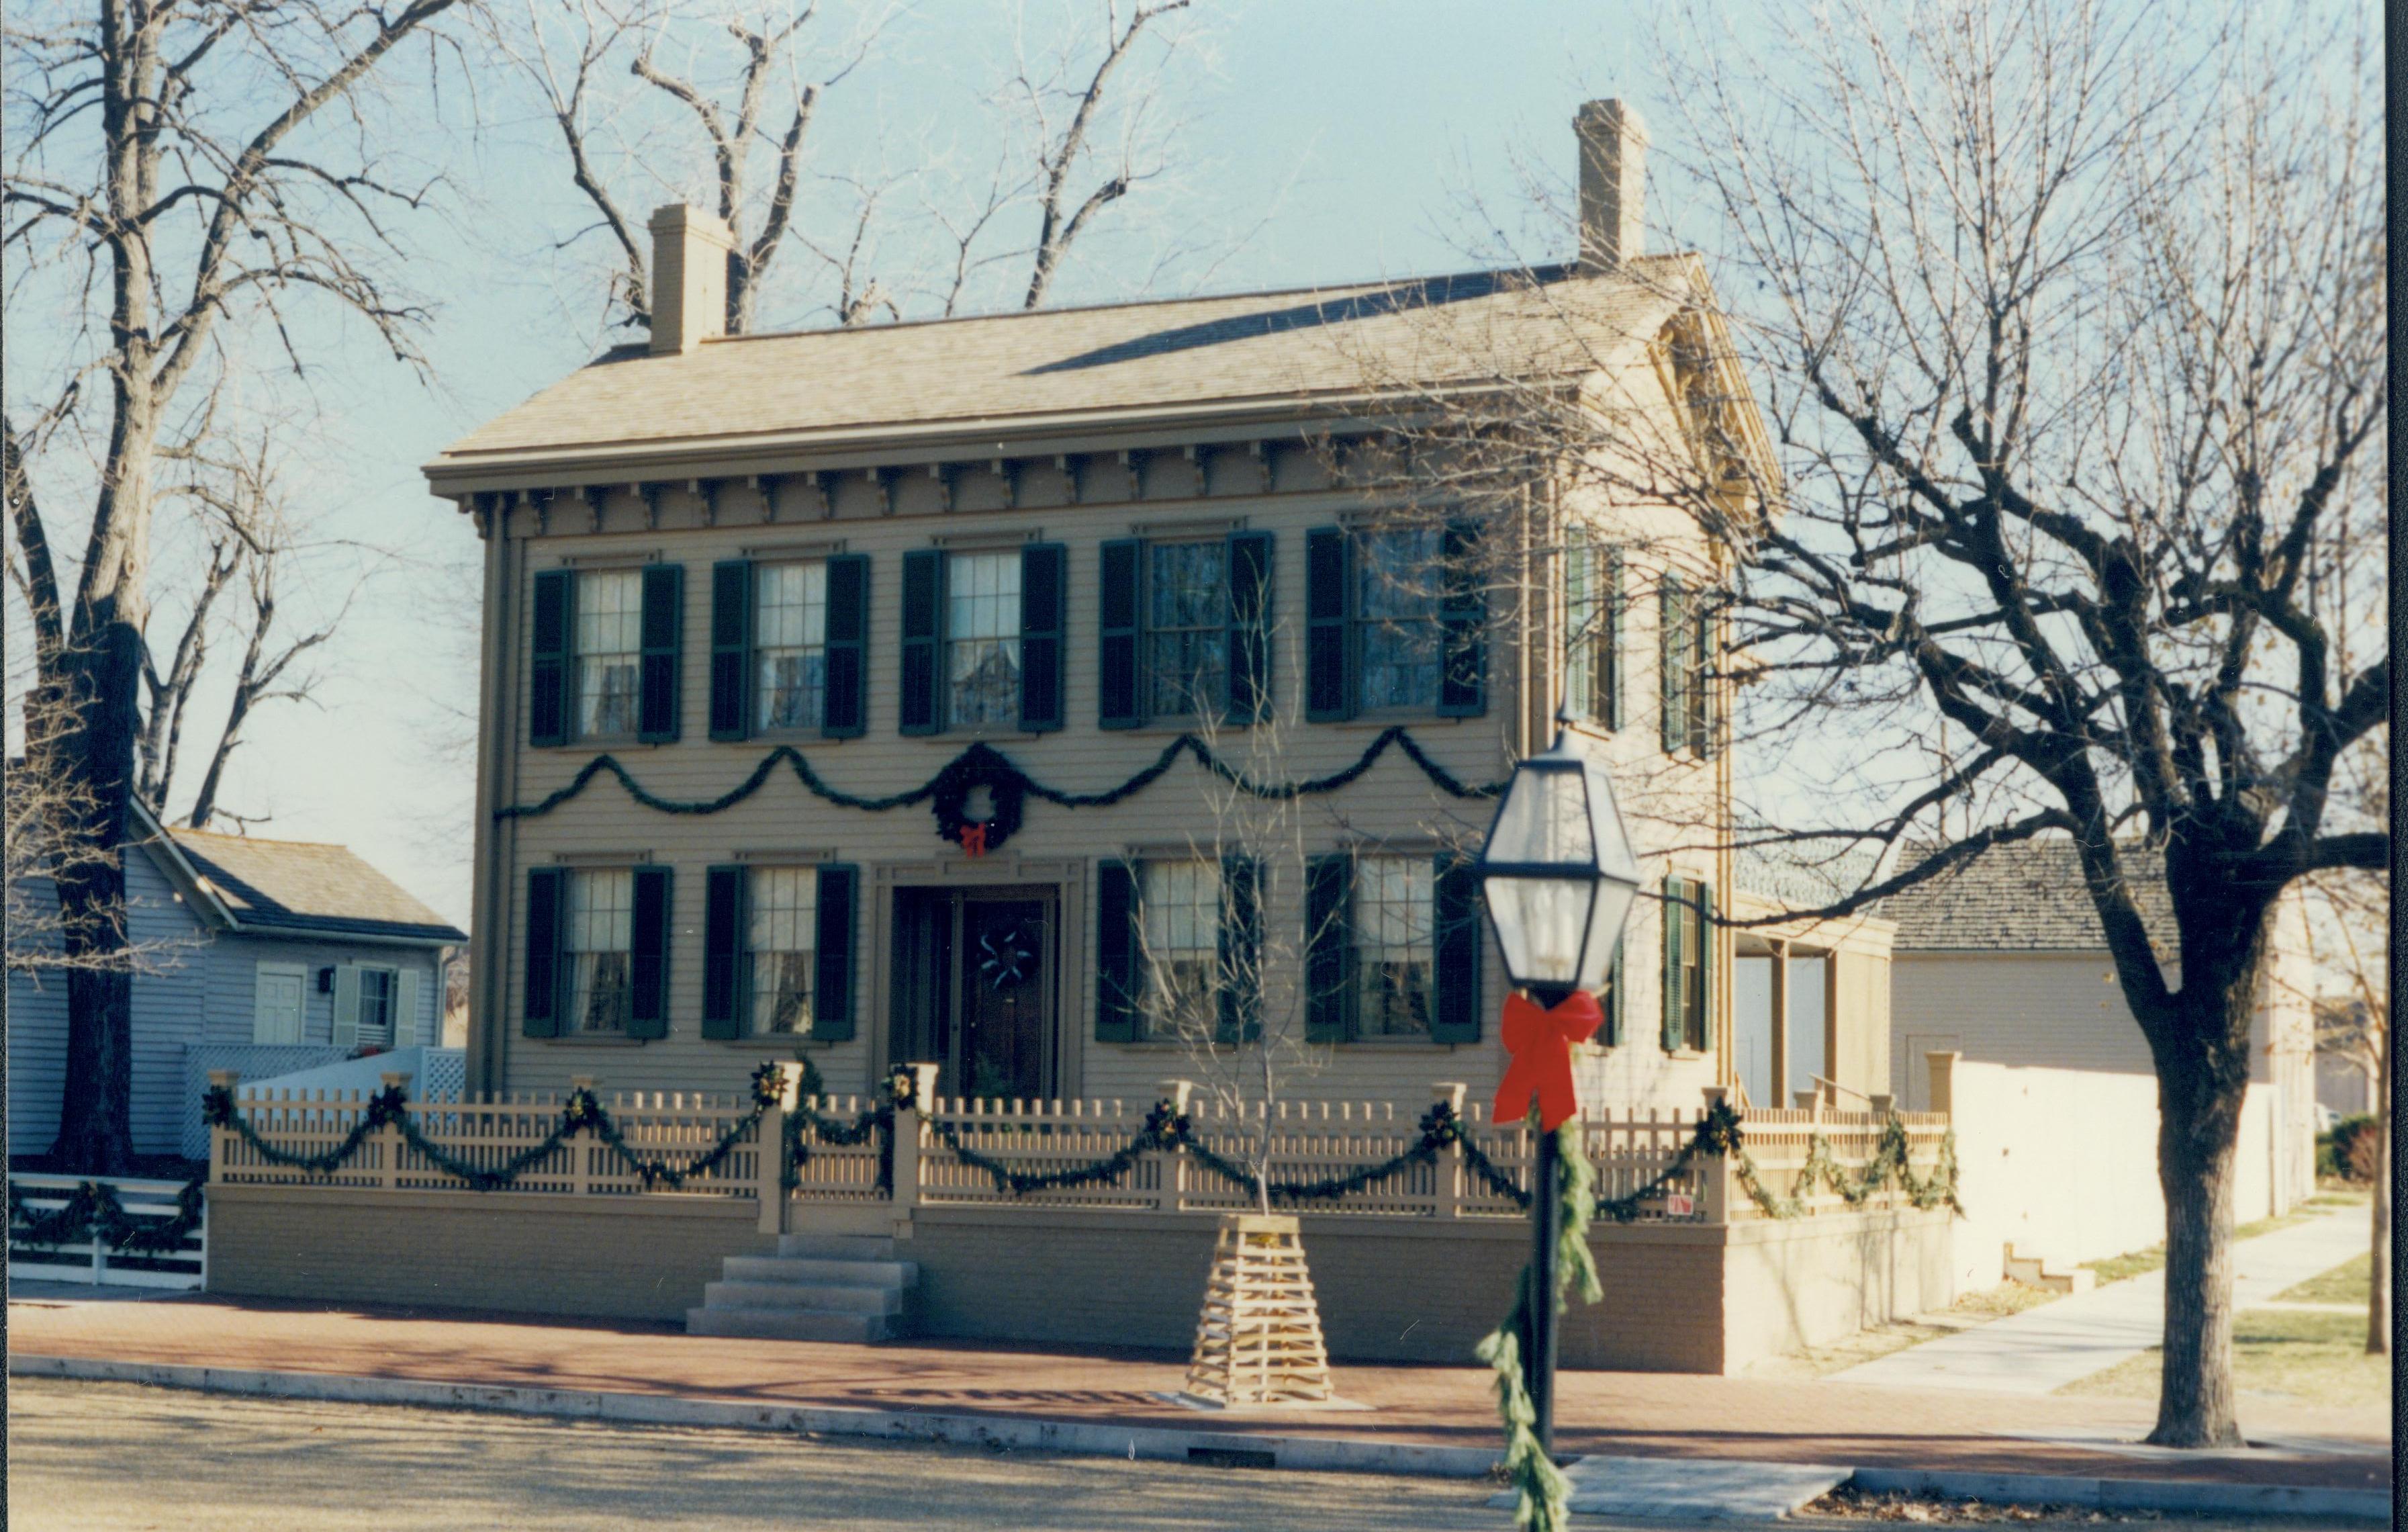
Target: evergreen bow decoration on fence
[{"x": 93, "y": 1211}]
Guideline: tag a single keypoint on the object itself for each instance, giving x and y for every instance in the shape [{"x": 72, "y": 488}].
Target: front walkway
[
  {"x": 1626, "y": 1414},
  {"x": 2041, "y": 1350}
]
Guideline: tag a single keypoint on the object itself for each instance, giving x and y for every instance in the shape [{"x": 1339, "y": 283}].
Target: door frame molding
[
  {"x": 1068, "y": 878},
  {"x": 264, "y": 968}
]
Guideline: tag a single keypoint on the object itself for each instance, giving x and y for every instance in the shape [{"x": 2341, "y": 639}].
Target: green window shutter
[
  {"x": 547, "y": 896},
  {"x": 1455, "y": 951},
  {"x": 1116, "y": 953},
  {"x": 346, "y": 1006},
  {"x": 731, "y": 647},
  {"x": 660, "y": 628},
  {"x": 1117, "y": 688},
  {"x": 1329, "y": 949},
  {"x": 844, "y": 712},
  {"x": 1617, "y": 993},
  {"x": 1702, "y": 1019},
  {"x": 840, "y": 895},
  {"x": 1328, "y": 635},
  {"x": 547, "y": 680},
  {"x": 1702, "y": 689},
  {"x": 1610, "y": 658},
  {"x": 1241, "y": 948},
  {"x": 1462, "y": 625},
  {"x": 722, "y": 952},
  {"x": 1676, "y": 895},
  {"x": 1044, "y": 571},
  {"x": 923, "y": 609},
  {"x": 1249, "y": 636},
  {"x": 648, "y": 963},
  {"x": 1671, "y": 663},
  {"x": 1580, "y": 621}
]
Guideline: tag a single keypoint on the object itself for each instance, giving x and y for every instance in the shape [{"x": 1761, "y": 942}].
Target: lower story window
[
  {"x": 1392, "y": 957},
  {"x": 599, "y": 946},
  {"x": 1180, "y": 907},
  {"x": 781, "y": 911}
]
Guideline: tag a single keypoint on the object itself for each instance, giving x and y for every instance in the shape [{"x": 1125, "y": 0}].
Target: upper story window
[
  {"x": 1684, "y": 662},
  {"x": 1395, "y": 621},
  {"x": 604, "y": 658},
  {"x": 1183, "y": 630},
  {"x": 982, "y": 638},
  {"x": 1593, "y": 630},
  {"x": 598, "y": 944},
  {"x": 609, "y": 654},
  {"x": 790, "y": 607}
]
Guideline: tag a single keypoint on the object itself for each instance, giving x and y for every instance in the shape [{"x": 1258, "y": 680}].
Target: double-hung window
[
  {"x": 1183, "y": 630},
  {"x": 1393, "y": 948},
  {"x": 1684, "y": 662},
  {"x": 778, "y": 949},
  {"x": 1395, "y": 622},
  {"x": 374, "y": 1006},
  {"x": 982, "y": 638},
  {"x": 610, "y": 651},
  {"x": 1179, "y": 946},
  {"x": 597, "y": 952},
  {"x": 1186, "y": 627},
  {"x": 376, "y": 1009},
  {"x": 1688, "y": 964},
  {"x": 1593, "y": 630},
  {"x": 790, "y": 605}
]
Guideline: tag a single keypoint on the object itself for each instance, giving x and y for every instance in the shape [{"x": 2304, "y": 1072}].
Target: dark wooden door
[{"x": 1004, "y": 986}]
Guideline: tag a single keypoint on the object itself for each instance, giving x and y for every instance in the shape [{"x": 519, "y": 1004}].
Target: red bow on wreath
[{"x": 1540, "y": 1043}]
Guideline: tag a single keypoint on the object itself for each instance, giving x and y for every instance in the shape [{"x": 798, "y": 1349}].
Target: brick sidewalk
[{"x": 1621, "y": 1413}]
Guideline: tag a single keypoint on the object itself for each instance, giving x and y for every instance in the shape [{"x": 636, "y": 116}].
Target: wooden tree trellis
[{"x": 1258, "y": 1340}]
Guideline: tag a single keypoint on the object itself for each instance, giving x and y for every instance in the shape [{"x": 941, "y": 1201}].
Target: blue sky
[{"x": 1325, "y": 141}]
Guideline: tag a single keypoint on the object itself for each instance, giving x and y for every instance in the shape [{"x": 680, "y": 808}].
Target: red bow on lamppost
[{"x": 1540, "y": 1043}]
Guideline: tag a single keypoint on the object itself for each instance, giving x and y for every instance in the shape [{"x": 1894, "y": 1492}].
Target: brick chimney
[
  {"x": 1612, "y": 184},
  {"x": 690, "y": 250}
]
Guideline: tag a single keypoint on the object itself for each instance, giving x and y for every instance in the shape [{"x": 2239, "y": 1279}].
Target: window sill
[
  {"x": 1390, "y": 718},
  {"x": 809, "y": 735},
  {"x": 1429, "y": 1043},
  {"x": 1688, "y": 1054},
  {"x": 583, "y": 1040}
]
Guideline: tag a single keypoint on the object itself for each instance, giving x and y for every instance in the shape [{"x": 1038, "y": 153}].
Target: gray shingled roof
[
  {"x": 2023, "y": 897},
  {"x": 305, "y": 886},
  {"x": 1273, "y": 346}
]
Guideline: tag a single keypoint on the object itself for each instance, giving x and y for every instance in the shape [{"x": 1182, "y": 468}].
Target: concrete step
[
  {"x": 838, "y": 1247},
  {"x": 2042, "y": 1272},
  {"x": 804, "y": 1269},
  {"x": 789, "y": 1325},
  {"x": 833, "y": 1300}
]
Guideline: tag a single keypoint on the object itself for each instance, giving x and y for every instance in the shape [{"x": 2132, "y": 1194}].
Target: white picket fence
[{"x": 87, "y": 1260}]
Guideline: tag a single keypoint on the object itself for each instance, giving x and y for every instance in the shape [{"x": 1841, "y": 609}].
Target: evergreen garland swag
[
  {"x": 94, "y": 1209},
  {"x": 980, "y": 764}
]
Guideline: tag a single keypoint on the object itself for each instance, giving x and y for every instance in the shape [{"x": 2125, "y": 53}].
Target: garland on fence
[
  {"x": 582, "y": 1113},
  {"x": 1541, "y": 1492},
  {"x": 94, "y": 1209},
  {"x": 981, "y": 765},
  {"x": 878, "y": 1119},
  {"x": 1889, "y": 1163}
]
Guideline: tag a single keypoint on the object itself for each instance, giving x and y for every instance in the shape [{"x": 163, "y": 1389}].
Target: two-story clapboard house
[{"x": 746, "y": 597}]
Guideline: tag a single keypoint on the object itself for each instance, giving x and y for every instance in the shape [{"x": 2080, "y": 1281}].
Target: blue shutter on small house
[
  {"x": 844, "y": 712},
  {"x": 924, "y": 604},
  {"x": 1242, "y": 949},
  {"x": 547, "y": 894},
  {"x": 832, "y": 984},
  {"x": 1116, "y": 953},
  {"x": 731, "y": 647},
  {"x": 1463, "y": 624},
  {"x": 1117, "y": 686},
  {"x": 722, "y": 952},
  {"x": 1455, "y": 951},
  {"x": 1249, "y": 636},
  {"x": 648, "y": 960},
  {"x": 1043, "y": 570},
  {"x": 547, "y": 678},
  {"x": 661, "y": 627},
  {"x": 1329, "y": 949},
  {"x": 1329, "y": 636}
]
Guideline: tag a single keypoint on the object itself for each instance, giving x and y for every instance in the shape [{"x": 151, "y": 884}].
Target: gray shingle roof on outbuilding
[
  {"x": 306, "y": 886},
  {"x": 2026, "y": 897}
]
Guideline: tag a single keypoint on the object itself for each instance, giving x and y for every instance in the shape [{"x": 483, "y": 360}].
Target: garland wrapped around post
[{"x": 1541, "y": 1492}]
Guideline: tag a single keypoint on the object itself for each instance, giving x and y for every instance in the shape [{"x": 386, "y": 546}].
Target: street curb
[{"x": 1329, "y": 1455}]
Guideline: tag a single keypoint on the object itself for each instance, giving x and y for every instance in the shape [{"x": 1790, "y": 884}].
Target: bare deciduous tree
[{"x": 205, "y": 166}]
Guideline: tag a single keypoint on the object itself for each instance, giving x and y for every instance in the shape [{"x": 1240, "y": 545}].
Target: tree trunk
[
  {"x": 2199, "y": 1130},
  {"x": 2378, "y": 1293}
]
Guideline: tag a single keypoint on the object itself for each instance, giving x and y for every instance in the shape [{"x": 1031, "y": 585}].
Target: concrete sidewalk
[
  {"x": 947, "y": 1392},
  {"x": 2041, "y": 1350}
]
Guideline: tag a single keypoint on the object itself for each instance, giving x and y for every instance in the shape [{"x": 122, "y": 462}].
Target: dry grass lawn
[
  {"x": 2117, "y": 1269},
  {"x": 2352, "y": 1282},
  {"x": 2312, "y": 1358}
]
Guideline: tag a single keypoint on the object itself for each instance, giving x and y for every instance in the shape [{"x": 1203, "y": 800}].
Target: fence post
[
  {"x": 905, "y": 1194},
  {"x": 581, "y": 1149},
  {"x": 220, "y": 1137},
  {"x": 1170, "y": 1186},
  {"x": 1718, "y": 1169},
  {"x": 392, "y": 1079},
  {"x": 1448, "y": 1174},
  {"x": 769, "y": 1176}
]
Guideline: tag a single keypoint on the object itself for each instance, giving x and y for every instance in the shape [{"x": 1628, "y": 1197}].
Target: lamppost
[{"x": 1558, "y": 877}]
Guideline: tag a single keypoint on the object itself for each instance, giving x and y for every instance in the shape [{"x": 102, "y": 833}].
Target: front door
[{"x": 973, "y": 988}]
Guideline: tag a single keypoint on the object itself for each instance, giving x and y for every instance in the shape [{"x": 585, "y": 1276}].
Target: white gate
[{"x": 88, "y": 1260}]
